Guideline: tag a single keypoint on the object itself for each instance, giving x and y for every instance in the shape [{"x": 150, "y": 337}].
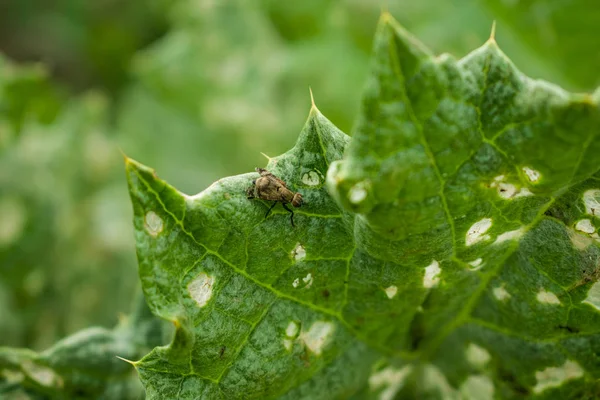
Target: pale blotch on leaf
[
  {"x": 547, "y": 297},
  {"x": 435, "y": 381},
  {"x": 288, "y": 343},
  {"x": 585, "y": 226},
  {"x": 477, "y": 387},
  {"x": 591, "y": 201},
  {"x": 524, "y": 192},
  {"x": 391, "y": 379},
  {"x": 391, "y": 291},
  {"x": 477, "y": 355},
  {"x": 510, "y": 235},
  {"x": 292, "y": 329},
  {"x": 308, "y": 280},
  {"x": 579, "y": 240},
  {"x": 593, "y": 296},
  {"x": 476, "y": 264},
  {"x": 299, "y": 252},
  {"x": 317, "y": 336},
  {"x": 432, "y": 275},
  {"x": 532, "y": 174},
  {"x": 501, "y": 293},
  {"x": 153, "y": 223},
  {"x": 311, "y": 178},
  {"x": 556, "y": 376},
  {"x": 41, "y": 374},
  {"x": 476, "y": 232},
  {"x": 507, "y": 190},
  {"x": 201, "y": 288},
  {"x": 357, "y": 193}
]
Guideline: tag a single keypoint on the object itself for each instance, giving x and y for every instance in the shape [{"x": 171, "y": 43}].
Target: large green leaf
[
  {"x": 85, "y": 364},
  {"x": 459, "y": 260}
]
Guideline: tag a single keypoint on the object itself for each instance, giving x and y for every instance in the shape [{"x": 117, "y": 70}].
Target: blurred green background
[{"x": 196, "y": 89}]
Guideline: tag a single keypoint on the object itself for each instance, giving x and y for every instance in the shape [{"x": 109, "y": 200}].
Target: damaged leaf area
[{"x": 449, "y": 250}]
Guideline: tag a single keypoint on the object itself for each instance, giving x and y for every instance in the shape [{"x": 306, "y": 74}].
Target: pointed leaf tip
[
  {"x": 134, "y": 363},
  {"x": 386, "y": 16},
  {"x": 313, "y": 106},
  {"x": 493, "y": 32}
]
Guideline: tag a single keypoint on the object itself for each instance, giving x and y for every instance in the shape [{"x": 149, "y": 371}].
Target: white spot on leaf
[
  {"x": 357, "y": 193},
  {"x": 476, "y": 232},
  {"x": 153, "y": 223},
  {"x": 308, "y": 280},
  {"x": 532, "y": 174},
  {"x": 547, "y": 297},
  {"x": 317, "y": 336},
  {"x": 390, "y": 378},
  {"x": 500, "y": 293},
  {"x": 311, "y": 178},
  {"x": 200, "y": 288},
  {"x": 435, "y": 381},
  {"x": 476, "y": 264},
  {"x": 510, "y": 235},
  {"x": 477, "y": 387},
  {"x": 432, "y": 275},
  {"x": 579, "y": 240},
  {"x": 591, "y": 200},
  {"x": 508, "y": 190},
  {"x": 524, "y": 192},
  {"x": 585, "y": 226},
  {"x": 299, "y": 253},
  {"x": 41, "y": 374},
  {"x": 556, "y": 376},
  {"x": 593, "y": 296},
  {"x": 292, "y": 329},
  {"x": 391, "y": 291},
  {"x": 477, "y": 355}
]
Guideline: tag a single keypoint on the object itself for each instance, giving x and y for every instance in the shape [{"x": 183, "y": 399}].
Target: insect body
[{"x": 271, "y": 188}]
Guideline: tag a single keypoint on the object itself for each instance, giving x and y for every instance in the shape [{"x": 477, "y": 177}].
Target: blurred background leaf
[{"x": 196, "y": 88}]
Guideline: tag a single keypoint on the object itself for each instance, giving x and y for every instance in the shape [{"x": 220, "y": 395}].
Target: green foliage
[
  {"x": 60, "y": 223},
  {"x": 26, "y": 95},
  {"x": 83, "y": 365},
  {"x": 457, "y": 256}
]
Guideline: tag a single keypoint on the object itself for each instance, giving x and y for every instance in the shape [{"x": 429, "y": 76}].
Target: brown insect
[{"x": 271, "y": 188}]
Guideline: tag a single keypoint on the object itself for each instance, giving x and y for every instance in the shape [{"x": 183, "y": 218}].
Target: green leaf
[
  {"x": 459, "y": 258},
  {"x": 84, "y": 365},
  {"x": 257, "y": 303}
]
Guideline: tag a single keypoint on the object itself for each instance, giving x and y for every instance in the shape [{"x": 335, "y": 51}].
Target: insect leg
[
  {"x": 269, "y": 211},
  {"x": 291, "y": 213}
]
